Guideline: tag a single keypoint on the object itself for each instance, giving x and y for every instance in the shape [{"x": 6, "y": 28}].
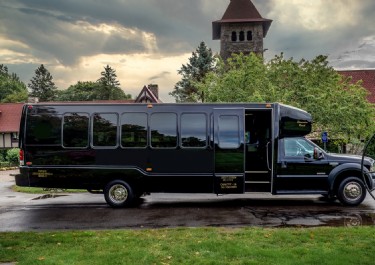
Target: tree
[
  {"x": 337, "y": 105},
  {"x": 12, "y": 89},
  {"x": 239, "y": 79},
  {"x": 82, "y": 91},
  {"x": 200, "y": 63},
  {"x": 105, "y": 88},
  {"x": 42, "y": 86},
  {"x": 110, "y": 86}
]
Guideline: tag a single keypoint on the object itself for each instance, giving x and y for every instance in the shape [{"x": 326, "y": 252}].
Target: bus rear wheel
[
  {"x": 118, "y": 193},
  {"x": 351, "y": 191}
]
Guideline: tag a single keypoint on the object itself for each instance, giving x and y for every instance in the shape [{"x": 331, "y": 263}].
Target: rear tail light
[{"x": 22, "y": 161}]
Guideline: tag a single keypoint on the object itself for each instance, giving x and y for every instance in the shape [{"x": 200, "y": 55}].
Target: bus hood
[{"x": 347, "y": 158}]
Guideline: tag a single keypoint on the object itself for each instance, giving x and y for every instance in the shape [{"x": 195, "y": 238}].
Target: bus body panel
[{"x": 208, "y": 148}]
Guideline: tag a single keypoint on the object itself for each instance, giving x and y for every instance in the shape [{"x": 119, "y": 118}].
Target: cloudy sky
[{"x": 147, "y": 41}]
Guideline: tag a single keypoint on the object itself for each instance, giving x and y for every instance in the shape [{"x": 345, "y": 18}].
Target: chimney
[{"x": 154, "y": 89}]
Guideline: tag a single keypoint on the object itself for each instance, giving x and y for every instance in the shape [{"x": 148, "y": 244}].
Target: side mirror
[{"x": 318, "y": 154}]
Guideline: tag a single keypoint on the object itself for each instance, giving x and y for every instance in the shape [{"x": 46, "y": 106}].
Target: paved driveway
[{"x": 28, "y": 212}]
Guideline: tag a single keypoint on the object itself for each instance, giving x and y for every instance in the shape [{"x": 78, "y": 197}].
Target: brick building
[
  {"x": 241, "y": 29},
  {"x": 367, "y": 77}
]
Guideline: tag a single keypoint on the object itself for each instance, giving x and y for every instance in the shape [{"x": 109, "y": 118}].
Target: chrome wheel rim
[
  {"x": 118, "y": 194},
  {"x": 352, "y": 191}
]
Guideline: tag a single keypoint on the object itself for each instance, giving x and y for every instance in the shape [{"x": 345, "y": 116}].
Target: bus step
[{"x": 257, "y": 186}]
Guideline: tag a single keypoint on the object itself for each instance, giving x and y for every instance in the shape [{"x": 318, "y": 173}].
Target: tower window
[
  {"x": 234, "y": 36},
  {"x": 242, "y": 36},
  {"x": 249, "y": 35}
]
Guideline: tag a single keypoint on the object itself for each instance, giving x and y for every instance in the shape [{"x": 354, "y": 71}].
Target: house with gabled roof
[
  {"x": 148, "y": 94},
  {"x": 10, "y": 117}
]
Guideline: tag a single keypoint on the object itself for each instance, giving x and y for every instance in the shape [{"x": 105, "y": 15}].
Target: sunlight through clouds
[
  {"x": 134, "y": 71},
  {"x": 317, "y": 14}
]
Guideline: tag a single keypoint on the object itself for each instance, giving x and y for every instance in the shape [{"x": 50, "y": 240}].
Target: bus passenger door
[
  {"x": 258, "y": 150},
  {"x": 229, "y": 150}
]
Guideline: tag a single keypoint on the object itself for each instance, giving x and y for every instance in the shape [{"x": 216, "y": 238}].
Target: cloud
[
  {"x": 159, "y": 76},
  {"x": 305, "y": 29},
  {"x": 64, "y": 31},
  {"x": 317, "y": 15},
  {"x": 148, "y": 40},
  {"x": 356, "y": 55}
]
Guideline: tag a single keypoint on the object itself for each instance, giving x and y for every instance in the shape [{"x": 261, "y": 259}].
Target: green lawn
[
  {"x": 193, "y": 246},
  {"x": 33, "y": 190}
]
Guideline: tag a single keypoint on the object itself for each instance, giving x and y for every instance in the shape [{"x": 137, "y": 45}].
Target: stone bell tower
[{"x": 241, "y": 29}]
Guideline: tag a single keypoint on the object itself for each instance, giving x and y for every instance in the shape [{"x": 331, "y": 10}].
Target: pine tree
[
  {"x": 42, "y": 86},
  {"x": 108, "y": 83},
  {"x": 200, "y": 63}
]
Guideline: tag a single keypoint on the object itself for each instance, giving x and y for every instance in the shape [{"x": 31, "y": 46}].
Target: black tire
[
  {"x": 351, "y": 191},
  {"x": 118, "y": 194}
]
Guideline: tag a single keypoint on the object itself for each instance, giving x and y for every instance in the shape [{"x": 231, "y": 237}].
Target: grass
[
  {"x": 33, "y": 190},
  {"x": 192, "y": 246}
]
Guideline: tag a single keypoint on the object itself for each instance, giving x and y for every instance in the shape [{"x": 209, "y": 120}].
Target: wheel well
[
  {"x": 344, "y": 175},
  {"x": 134, "y": 182}
]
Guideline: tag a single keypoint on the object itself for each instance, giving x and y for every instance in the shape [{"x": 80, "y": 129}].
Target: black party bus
[{"x": 128, "y": 150}]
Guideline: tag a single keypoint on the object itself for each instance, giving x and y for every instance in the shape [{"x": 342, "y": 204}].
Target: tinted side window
[
  {"x": 43, "y": 129},
  {"x": 134, "y": 130},
  {"x": 105, "y": 129},
  {"x": 193, "y": 130},
  {"x": 298, "y": 147},
  {"x": 163, "y": 128},
  {"x": 75, "y": 130},
  {"x": 229, "y": 131}
]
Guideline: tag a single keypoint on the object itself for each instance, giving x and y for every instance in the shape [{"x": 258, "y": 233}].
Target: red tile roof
[
  {"x": 110, "y": 101},
  {"x": 10, "y": 117},
  {"x": 368, "y": 78}
]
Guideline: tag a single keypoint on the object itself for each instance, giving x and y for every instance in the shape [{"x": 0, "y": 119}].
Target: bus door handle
[{"x": 268, "y": 159}]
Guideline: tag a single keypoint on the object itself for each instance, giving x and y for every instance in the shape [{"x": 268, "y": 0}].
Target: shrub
[
  {"x": 3, "y": 153},
  {"x": 12, "y": 156}
]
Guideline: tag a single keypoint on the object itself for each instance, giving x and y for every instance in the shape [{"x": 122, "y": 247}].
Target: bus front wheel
[
  {"x": 351, "y": 191},
  {"x": 118, "y": 194}
]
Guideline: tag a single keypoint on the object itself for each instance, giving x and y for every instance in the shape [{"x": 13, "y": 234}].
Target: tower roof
[{"x": 240, "y": 11}]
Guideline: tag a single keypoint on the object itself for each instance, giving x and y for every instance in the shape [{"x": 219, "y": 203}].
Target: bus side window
[
  {"x": 134, "y": 130},
  {"x": 193, "y": 130},
  {"x": 105, "y": 129},
  {"x": 163, "y": 127},
  {"x": 76, "y": 130},
  {"x": 229, "y": 131},
  {"x": 43, "y": 130}
]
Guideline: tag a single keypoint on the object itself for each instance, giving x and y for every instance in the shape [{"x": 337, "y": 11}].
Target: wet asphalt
[{"x": 78, "y": 211}]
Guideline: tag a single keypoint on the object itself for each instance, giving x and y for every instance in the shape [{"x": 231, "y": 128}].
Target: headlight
[{"x": 372, "y": 167}]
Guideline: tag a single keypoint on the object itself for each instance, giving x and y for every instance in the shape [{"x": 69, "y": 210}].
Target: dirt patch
[{"x": 8, "y": 175}]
